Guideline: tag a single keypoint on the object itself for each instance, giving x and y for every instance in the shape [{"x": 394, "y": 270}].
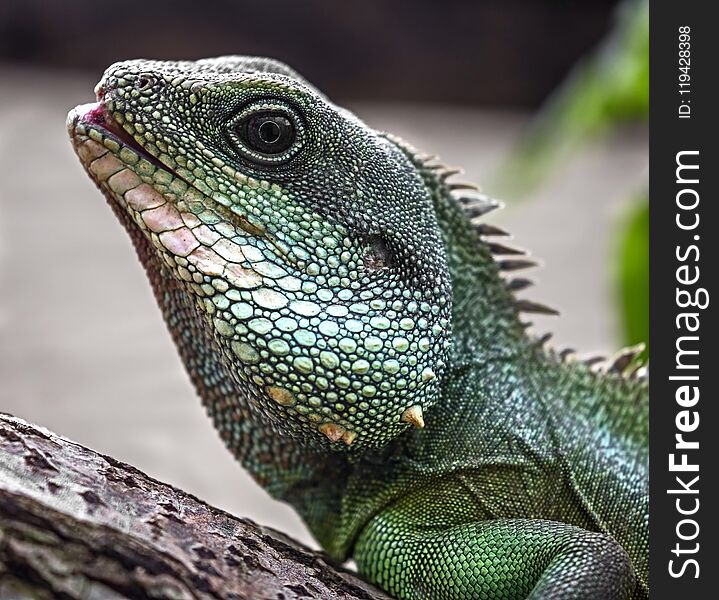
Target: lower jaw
[{"x": 156, "y": 201}]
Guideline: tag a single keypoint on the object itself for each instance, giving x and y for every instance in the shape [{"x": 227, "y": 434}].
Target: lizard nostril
[{"x": 144, "y": 82}]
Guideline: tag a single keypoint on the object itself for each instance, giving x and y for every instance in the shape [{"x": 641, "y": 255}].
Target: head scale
[{"x": 306, "y": 239}]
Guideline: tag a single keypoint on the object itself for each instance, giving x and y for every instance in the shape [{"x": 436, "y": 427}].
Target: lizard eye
[{"x": 265, "y": 134}]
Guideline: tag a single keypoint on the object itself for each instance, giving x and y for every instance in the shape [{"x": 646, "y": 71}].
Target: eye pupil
[
  {"x": 266, "y": 133},
  {"x": 269, "y": 132}
]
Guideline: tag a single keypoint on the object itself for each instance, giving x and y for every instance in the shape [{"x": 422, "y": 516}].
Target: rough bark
[{"x": 77, "y": 524}]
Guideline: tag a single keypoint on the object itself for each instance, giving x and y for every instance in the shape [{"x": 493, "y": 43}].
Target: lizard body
[{"x": 347, "y": 326}]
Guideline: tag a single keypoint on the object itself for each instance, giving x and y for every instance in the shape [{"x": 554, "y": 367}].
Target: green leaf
[
  {"x": 608, "y": 88},
  {"x": 633, "y": 275}
]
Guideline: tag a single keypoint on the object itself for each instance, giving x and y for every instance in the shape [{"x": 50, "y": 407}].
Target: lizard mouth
[
  {"x": 92, "y": 123},
  {"x": 94, "y": 116},
  {"x": 139, "y": 184}
]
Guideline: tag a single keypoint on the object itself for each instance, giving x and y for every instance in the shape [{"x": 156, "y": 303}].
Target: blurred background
[{"x": 543, "y": 102}]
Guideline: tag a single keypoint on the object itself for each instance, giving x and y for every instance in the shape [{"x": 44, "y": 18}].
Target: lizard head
[{"x": 306, "y": 240}]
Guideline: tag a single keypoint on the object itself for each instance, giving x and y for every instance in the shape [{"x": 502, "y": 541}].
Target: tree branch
[{"x": 77, "y": 524}]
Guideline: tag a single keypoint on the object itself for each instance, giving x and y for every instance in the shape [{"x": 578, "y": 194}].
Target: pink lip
[
  {"x": 96, "y": 116},
  {"x": 95, "y": 113}
]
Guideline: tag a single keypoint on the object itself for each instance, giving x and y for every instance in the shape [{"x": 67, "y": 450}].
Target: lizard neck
[
  {"x": 486, "y": 330},
  {"x": 485, "y": 323}
]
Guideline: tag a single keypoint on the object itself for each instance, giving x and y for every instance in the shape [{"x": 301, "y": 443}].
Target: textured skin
[{"x": 328, "y": 296}]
